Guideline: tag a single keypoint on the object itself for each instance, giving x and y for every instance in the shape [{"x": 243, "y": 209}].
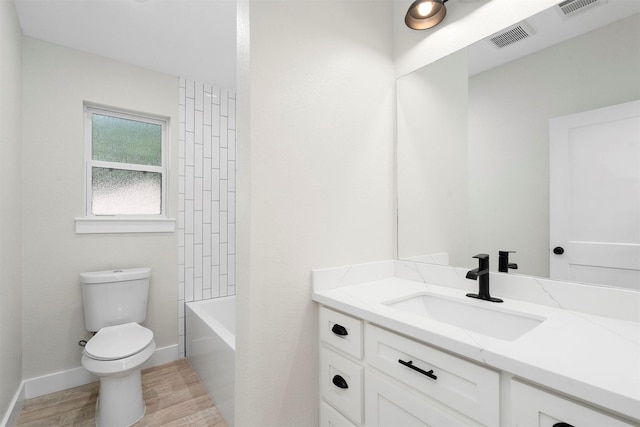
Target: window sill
[{"x": 124, "y": 225}]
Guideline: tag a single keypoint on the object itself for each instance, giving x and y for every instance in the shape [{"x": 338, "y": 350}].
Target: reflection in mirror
[{"x": 473, "y": 137}]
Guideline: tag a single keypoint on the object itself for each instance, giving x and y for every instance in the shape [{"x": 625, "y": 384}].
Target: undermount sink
[{"x": 495, "y": 322}]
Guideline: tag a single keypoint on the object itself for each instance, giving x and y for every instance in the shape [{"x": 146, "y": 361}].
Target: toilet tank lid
[{"x": 115, "y": 275}]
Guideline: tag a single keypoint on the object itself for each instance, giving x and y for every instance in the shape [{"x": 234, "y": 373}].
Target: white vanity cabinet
[
  {"x": 534, "y": 407},
  {"x": 397, "y": 381}
]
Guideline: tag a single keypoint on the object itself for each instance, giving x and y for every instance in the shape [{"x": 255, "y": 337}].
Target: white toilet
[{"x": 115, "y": 302}]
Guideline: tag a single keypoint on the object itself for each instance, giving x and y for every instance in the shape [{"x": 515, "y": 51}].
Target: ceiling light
[{"x": 423, "y": 14}]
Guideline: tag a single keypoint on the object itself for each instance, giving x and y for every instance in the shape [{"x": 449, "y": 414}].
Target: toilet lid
[{"x": 118, "y": 342}]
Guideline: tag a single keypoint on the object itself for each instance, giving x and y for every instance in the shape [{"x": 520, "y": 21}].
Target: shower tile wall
[{"x": 207, "y": 195}]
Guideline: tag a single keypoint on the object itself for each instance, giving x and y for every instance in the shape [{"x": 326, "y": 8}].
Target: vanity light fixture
[{"x": 423, "y": 14}]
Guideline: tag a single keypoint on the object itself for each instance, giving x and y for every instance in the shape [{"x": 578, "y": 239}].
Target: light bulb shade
[{"x": 423, "y": 14}]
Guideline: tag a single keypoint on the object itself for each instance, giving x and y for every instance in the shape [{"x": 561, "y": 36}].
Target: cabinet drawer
[
  {"x": 464, "y": 386},
  {"x": 390, "y": 405},
  {"x": 341, "y": 383},
  {"x": 329, "y": 417},
  {"x": 533, "y": 407},
  {"x": 341, "y": 331}
]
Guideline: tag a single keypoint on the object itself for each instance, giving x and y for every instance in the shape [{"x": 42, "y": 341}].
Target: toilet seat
[{"x": 118, "y": 342}]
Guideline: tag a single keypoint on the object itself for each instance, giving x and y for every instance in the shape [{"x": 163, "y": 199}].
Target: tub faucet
[{"x": 481, "y": 274}]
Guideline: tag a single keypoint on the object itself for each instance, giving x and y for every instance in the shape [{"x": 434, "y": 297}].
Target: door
[{"x": 595, "y": 196}]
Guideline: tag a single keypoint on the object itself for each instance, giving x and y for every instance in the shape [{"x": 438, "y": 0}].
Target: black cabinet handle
[
  {"x": 562, "y": 425},
  {"x": 339, "y": 330},
  {"x": 338, "y": 381},
  {"x": 409, "y": 364},
  {"x": 558, "y": 250}
]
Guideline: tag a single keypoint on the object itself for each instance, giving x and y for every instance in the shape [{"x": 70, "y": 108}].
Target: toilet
[{"x": 115, "y": 303}]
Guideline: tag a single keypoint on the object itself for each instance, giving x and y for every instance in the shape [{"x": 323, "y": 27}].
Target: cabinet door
[
  {"x": 341, "y": 383},
  {"x": 390, "y": 405},
  {"x": 532, "y": 407},
  {"x": 329, "y": 417}
]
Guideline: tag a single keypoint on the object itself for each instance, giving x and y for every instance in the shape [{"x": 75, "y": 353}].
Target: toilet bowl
[{"x": 116, "y": 355}]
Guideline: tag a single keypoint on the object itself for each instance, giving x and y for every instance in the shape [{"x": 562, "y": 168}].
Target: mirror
[{"x": 473, "y": 133}]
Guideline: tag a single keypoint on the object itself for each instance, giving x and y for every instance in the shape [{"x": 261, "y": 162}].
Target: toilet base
[{"x": 120, "y": 402}]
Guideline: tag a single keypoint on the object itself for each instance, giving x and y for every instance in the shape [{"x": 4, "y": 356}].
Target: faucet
[
  {"x": 503, "y": 262},
  {"x": 481, "y": 274}
]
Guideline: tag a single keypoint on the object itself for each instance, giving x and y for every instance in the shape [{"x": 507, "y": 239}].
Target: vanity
[{"x": 401, "y": 345}]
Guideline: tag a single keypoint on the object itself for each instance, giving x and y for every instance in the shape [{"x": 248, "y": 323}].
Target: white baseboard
[
  {"x": 13, "y": 412},
  {"x": 75, "y": 377}
]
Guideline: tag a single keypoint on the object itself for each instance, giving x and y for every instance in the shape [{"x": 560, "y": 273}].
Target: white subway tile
[
  {"x": 189, "y": 157},
  {"x": 232, "y": 113},
  {"x": 207, "y": 109},
  {"x": 206, "y": 174},
  {"x": 215, "y": 184},
  {"x": 215, "y": 217},
  {"x": 198, "y": 128},
  {"x": 199, "y": 96},
  {"x": 188, "y": 218},
  {"x": 206, "y": 293},
  {"x": 206, "y": 140},
  {"x": 188, "y": 253},
  {"x": 190, "y": 86},
  {"x": 197, "y": 227},
  {"x": 224, "y": 263},
  {"x": 224, "y": 102},
  {"x": 197, "y": 193},
  {"x": 224, "y": 201},
  {"x": 215, "y": 91},
  {"x": 206, "y": 272},
  {"x": 231, "y": 239},
  {"x": 181, "y": 291},
  {"x": 198, "y": 161},
  {"x": 215, "y": 120},
  {"x": 188, "y": 284},
  {"x": 224, "y": 288},
  {"x": 215, "y": 281},
  {"x": 197, "y": 289},
  {"x": 206, "y": 207},
  {"x": 231, "y": 269},
  {"x": 231, "y": 176},
  {"x": 231, "y": 144},
  {"x": 190, "y": 115},
  {"x": 215, "y": 249},
  {"x": 224, "y": 132},
  {"x": 206, "y": 240},
  {"x": 215, "y": 152},
  {"x": 188, "y": 182}
]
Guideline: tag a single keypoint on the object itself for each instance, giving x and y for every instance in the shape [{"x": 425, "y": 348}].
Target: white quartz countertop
[{"x": 590, "y": 357}]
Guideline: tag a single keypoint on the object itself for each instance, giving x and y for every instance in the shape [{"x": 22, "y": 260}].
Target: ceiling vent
[
  {"x": 512, "y": 35},
  {"x": 569, "y": 8}
]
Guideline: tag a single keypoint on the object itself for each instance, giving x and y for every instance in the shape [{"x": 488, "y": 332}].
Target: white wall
[
  {"x": 10, "y": 205},
  {"x": 315, "y": 177},
  {"x": 56, "y": 82}
]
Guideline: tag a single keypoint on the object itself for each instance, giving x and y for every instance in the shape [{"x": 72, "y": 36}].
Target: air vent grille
[
  {"x": 512, "y": 35},
  {"x": 571, "y": 7}
]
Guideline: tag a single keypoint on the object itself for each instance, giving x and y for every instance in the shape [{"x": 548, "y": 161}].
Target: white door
[{"x": 595, "y": 196}]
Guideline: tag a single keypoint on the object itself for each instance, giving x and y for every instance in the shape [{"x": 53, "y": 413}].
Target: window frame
[{"x": 122, "y": 223}]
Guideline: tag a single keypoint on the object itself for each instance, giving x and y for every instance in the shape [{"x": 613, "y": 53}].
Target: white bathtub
[{"x": 211, "y": 349}]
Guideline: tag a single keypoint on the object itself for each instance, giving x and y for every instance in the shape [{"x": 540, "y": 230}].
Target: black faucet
[
  {"x": 481, "y": 274},
  {"x": 503, "y": 262}
]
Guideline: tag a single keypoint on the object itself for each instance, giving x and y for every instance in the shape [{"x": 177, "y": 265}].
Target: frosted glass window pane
[
  {"x": 126, "y": 192},
  {"x": 115, "y": 139}
]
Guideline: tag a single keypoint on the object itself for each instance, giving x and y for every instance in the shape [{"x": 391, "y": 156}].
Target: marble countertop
[{"x": 590, "y": 357}]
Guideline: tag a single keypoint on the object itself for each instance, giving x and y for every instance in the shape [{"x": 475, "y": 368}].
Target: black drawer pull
[
  {"x": 562, "y": 425},
  {"x": 339, "y": 330},
  {"x": 409, "y": 364},
  {"x": 338, "y": 381}
]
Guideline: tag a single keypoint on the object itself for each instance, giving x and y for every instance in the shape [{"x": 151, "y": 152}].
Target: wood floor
[{"x": 173, "y": 394}]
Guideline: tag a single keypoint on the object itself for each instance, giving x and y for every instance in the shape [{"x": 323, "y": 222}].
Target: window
[{"x": 126, "y": 167}]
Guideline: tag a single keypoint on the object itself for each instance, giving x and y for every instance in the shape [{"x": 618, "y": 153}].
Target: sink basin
[{"x": 494, "y": 321}]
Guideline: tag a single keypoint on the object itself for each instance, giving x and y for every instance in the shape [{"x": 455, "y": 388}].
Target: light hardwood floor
[{"x": 173, "y": 394}]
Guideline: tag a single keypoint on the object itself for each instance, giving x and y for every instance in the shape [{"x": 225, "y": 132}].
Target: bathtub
[{"x": 211, "y": 349}]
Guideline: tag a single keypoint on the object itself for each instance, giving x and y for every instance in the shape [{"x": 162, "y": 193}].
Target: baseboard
[
  {"x": 13, "y": 412},
  {"x": 75, "y": 377}
]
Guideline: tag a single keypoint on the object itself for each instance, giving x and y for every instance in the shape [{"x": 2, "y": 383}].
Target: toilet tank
[{"x": 114, "y": 297}]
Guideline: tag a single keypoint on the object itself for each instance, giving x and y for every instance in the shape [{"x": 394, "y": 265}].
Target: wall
[
  {"x": 508, "y": 135},
  {"x": 10, "y": 205},
  {"x": 315, "y": 176},
  {"x": 56, "y": 82},
  {"x": 207, "y": 196}
]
